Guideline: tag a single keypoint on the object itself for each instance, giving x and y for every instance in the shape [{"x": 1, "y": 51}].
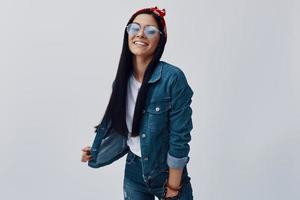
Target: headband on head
[{"x": 159, "y": 12}]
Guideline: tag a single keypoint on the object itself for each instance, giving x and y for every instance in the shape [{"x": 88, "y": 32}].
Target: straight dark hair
[{"x": 116, "y": 108}]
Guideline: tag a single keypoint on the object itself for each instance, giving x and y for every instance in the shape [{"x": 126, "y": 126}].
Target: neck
[{"x": 139, "y": 67}]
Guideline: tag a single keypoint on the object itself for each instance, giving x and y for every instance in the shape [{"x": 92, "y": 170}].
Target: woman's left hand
[{"x": 171, "y": 193}]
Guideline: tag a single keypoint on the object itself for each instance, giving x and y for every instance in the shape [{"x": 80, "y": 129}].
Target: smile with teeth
[{"x": 138, "y": 43}]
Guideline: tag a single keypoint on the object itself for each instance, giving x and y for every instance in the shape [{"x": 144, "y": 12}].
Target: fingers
[
  {"x": 87, "y": 148},
  {"x": 86, "y": 154},
  {"x": 85, "y": 158}
]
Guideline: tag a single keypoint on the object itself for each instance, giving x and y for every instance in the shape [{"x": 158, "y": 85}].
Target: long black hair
[{"x": 116, "y": 108}]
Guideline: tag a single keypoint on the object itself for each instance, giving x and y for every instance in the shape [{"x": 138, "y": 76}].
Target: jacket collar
[{"x": 156, "y": 73}]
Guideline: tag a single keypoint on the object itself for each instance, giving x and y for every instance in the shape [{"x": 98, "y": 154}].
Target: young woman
[{"x": 148, "y": 116}]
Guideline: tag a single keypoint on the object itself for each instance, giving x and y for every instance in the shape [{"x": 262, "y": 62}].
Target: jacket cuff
[{"x": 177, "y": 163}]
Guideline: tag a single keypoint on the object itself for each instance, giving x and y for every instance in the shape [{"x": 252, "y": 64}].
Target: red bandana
[{"x": 159, "y": 12}]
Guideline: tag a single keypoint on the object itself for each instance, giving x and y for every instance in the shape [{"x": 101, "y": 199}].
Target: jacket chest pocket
[{"x": 158, "y": 114}]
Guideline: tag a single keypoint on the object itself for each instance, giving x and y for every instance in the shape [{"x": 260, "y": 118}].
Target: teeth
[{"x": 140, "y": 43}]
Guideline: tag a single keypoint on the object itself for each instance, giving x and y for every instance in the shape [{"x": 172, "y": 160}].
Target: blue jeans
[{"x": 135, "y": 188}]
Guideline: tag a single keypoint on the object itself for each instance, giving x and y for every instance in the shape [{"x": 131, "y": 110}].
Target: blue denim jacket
[{"x": 164, "y": 129}]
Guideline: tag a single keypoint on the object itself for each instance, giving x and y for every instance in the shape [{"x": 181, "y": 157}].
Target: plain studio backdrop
[{"x": 241, "y": 57}]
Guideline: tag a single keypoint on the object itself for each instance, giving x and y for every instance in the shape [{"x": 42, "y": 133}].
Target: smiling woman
[
  {"x": 148, "y": 116},
  {"x": 143, "y": 36}
]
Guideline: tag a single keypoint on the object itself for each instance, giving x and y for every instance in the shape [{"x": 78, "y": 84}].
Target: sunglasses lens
[
  {"x": 150, "y": 31},
  {"x": 133, "y": 28}
]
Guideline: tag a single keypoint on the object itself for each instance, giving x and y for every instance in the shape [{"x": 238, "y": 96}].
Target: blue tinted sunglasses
[{"x": 149, "y": 30}]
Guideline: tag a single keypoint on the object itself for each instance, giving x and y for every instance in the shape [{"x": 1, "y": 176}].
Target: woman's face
[{"x": 140, "y": 44}]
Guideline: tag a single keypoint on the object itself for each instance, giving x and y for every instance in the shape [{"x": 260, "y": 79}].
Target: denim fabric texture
[
  {"x": 135, "y": 188},
  {"x": 164, "y": 129}
]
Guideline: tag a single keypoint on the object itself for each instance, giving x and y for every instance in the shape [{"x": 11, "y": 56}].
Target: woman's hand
[
  {"x": 86, "y": 154},
  {"x": 171, "y": 193},
  {"x": 172, "y": 185}
]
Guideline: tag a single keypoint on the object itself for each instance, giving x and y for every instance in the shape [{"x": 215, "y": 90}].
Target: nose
[{"x": 141, "y": 32}]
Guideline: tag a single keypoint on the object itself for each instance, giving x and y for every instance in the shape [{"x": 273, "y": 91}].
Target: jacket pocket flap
[{"x": 159, "y": 107}]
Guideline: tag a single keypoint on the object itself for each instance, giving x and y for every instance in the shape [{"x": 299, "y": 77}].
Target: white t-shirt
[{"x": 133, "y": 87}]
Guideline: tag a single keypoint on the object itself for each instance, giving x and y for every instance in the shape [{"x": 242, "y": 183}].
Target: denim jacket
[{"x": 164, "y": 129}]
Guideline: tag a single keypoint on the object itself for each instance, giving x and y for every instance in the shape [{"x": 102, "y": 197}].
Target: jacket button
[
  {"x": 146, "y": 158},
  {"x": 157, "y": 109},
  {"x": 144, "y": 178},
  {"x": 143, "y": 111},
  {"x": 143, "y": 135}
]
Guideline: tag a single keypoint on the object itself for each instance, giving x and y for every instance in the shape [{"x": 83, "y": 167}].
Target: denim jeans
[{"x": 135, "y": 188}]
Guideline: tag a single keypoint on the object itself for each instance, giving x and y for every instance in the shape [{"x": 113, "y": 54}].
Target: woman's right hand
[{"x": 86, "y": 154}]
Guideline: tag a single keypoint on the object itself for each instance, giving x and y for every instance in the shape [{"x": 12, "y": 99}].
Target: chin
[{"x": 139, "y": 52}]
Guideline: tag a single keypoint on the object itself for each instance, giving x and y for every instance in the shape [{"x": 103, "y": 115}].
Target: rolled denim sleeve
[{"x": 180, "y": 122}]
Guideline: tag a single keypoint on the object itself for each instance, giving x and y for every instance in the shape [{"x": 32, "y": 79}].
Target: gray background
[{"x": 58, "y": 59}]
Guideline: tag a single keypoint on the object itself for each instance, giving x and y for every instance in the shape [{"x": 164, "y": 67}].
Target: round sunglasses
[{"x": 149, "y": 30}]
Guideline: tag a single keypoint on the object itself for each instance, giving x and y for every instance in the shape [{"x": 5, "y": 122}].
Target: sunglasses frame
[{"x": 154, "y": 27}]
